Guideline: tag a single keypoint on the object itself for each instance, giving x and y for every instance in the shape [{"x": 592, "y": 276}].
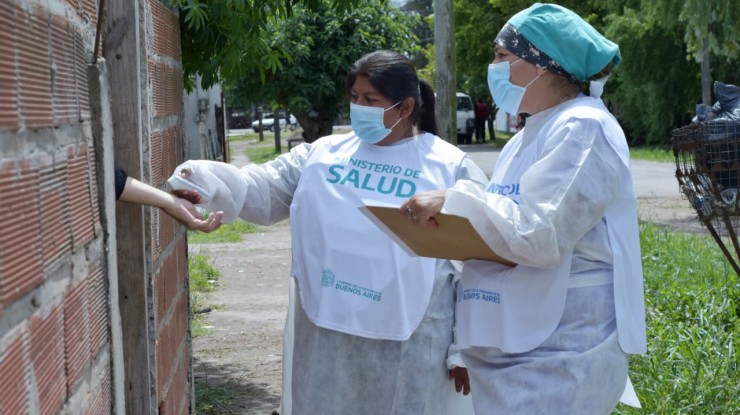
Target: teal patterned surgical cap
[{"x": 568, "y": 39}]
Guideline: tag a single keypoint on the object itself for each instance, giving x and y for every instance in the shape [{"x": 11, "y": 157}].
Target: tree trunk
[
  {"x": 706, "y": 75},
  {"x": 444, "y": 59},
  {"x": 315, "y": 124}
]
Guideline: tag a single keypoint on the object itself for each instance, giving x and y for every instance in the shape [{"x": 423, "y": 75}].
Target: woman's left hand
[
  {"x": 422, "y": 208},
  {"x": 462, "y": 381}
]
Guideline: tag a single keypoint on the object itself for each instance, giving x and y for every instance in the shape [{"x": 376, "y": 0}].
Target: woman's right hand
[
  {"x": 190, "y": 195},
  {"x": 422, "y": 208}
]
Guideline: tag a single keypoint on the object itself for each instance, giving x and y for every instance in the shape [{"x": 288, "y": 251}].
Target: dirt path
[
  {"x": 245, "y": 342},
  {"x": 244, "y": 346}
]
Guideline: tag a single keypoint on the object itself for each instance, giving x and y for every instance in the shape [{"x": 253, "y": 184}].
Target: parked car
[
  {"x": 268, "y": 122},
  {"x": 465, "y": 118}
]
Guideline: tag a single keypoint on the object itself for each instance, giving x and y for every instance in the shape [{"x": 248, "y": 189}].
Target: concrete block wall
[{"x": 93, "y": 293}]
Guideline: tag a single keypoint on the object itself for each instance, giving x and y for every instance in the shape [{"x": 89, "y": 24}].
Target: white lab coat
[
  {"x": 580, "y": 286},
  {"x": 333, "y": 372}
]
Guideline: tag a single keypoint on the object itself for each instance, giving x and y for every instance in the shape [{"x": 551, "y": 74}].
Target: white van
[{"x": 465, "y": 118}]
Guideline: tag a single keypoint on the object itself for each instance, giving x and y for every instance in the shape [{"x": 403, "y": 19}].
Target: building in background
[{"x": 203, "y": 123}]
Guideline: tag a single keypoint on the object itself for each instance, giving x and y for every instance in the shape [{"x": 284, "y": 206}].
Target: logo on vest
[
  {"x": 387, "y": 179},
  {"x": 510, "y": 190},
  {"x": 476, "y": 294},
  {"x": 327, "y": 278}
]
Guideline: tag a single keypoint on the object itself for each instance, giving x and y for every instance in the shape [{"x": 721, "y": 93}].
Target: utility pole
[{"x": 444, "y": 61}]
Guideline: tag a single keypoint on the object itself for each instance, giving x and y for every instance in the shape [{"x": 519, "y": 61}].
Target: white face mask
[
  {"x": 506, "y": 95},
  {"x": 367, "y": 122}
]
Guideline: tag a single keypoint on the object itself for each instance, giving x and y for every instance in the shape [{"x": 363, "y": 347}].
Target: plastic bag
[{"x": 727, "y": 107}]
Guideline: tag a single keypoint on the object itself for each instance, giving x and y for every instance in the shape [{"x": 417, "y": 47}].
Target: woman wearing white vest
[
  {"x": 374, "y": 327},
  {"x": 553, "y": 333}
]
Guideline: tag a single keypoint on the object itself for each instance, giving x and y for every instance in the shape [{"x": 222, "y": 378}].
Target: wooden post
[
  {"x": 444, "y": 60},
  {"x": 126, "y": 57}
]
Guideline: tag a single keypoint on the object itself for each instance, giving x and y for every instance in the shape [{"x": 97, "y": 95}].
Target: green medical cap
[{"x": 568, "y": 39}]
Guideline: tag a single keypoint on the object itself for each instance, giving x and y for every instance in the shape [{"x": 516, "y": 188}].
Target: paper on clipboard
[{"x": 455, "y": 238}]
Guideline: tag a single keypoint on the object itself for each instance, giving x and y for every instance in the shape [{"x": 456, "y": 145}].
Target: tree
[
  {"x": 221, "y": 37},
  {"x": 660, "y": 80},
  {"x": 322, "y": 44},
  {"x": 477, "y": 23},
  {"x": 711, "y": 29},
  {"x": 423, "y": 29},
  {"x": 655, "y": 88}
]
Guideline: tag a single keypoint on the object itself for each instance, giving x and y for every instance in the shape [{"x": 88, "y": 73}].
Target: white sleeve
[
  {"x": 563, "y": 195},
  {"x": 260, "y": 194}
]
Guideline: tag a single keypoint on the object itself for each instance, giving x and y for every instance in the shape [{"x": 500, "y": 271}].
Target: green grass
[
  {"x": 230, "y": 232},
  {"x": 693, "y": 320},
  {"x": 652, "y": 153},
  {"x": 261, "y": 154},
  {"x": 216, "y": 399},
  {"x": 203, "y": 278},
  {"x": 501, "y": 139}
]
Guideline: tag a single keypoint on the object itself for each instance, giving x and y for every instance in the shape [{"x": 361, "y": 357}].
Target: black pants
[{"x": 480, "y": 131}]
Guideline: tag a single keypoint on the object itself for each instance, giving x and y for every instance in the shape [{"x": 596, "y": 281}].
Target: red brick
[
  {"x": 80, "y": 198},
  {"x": 99, "y": 401},
  {"x": 8, "y": 96},
  {"x": 66, "y": 109},
  {"x": 166, "y": 31},
  {"x": 97, "y": 297},
  {"x": 181, "y": 383},
  {"x": 13, "y": 394},
  {"x": 57, "y": 236},
  {"x": 47, "y": 356},
  {"x": 155, "y": 159},
  {"x": 20, "y": 246},
  {"x": 164, "y": 355},
  {"x": 166, "y": 89},
  {"x": 172, "y": 153},
  {"x": 33, "y": 70},
  {"x": 81, "y": 81},
  {"x": 75, "y": 4},
  {"x": 90, "y": 11},
  {"x": 155, "y": 217},
  {"x": 76, "y": 334},
  {"x": 94, "y": 189}
]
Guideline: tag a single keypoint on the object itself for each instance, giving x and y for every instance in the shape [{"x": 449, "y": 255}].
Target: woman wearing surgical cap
[{"x": 552, "y": 334}]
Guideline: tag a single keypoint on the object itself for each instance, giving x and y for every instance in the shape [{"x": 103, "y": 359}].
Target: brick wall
[
  {"x": 62, "y": 331},
  {"x": 172, "y": 345},
  {"x": 54, "y": 333}
]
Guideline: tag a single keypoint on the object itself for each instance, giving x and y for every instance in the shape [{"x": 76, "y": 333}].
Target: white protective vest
[
  {"x": 352, "y": 277},
  {"x": 517, "y": 308}
]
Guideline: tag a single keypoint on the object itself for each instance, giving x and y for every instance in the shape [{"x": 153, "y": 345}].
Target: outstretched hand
[{"x": 186, "y": 213}]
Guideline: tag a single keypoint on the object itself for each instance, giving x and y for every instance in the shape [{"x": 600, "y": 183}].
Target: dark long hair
[{"x": 394, "y": 76}]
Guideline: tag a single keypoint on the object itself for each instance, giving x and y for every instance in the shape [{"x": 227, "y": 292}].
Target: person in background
[
  {"x": 521, "y": 120},
  {"x": 492, "y": 110},
  {"x": 481, "y": 116},
  {"x": 373, "y": 328},
  {"x": 552, "y": 334},
  {"x": 130, "y": 190}
]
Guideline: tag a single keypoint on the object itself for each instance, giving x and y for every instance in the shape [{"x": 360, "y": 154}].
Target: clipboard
[{"x": 455, "y": 238}]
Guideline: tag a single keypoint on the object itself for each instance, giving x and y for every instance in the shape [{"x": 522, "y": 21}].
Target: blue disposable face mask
[
  {"x": 506, "y": 95},
  {"x": 367, "y": 122}
]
